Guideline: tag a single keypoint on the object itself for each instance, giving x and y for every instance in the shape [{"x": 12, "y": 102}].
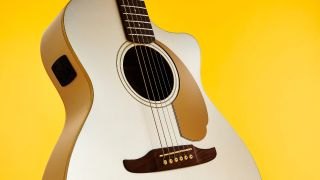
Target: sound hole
[{"x": 152, "y": 78}]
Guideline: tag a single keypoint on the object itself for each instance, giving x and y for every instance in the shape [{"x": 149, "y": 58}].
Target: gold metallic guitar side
[{"x": 77, "y": 97}]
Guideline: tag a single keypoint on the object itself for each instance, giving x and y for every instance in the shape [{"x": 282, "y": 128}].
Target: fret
[
  {"x": 140, "y": 31},
  {"x": 138, "y": 21},
  {"x": 135, "y": 20},
  {"x": 146, "y": 35},
  {"x": 133, "y": 14},
  {"x": 147, "y": 29},
  {"x": 129, "y": 6}
]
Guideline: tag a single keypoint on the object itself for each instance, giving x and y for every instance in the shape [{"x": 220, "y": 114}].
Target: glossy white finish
[{"x": 119, "y": 127}]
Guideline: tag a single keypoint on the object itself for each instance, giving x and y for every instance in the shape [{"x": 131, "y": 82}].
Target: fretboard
[{"x": 135, "y": 21}]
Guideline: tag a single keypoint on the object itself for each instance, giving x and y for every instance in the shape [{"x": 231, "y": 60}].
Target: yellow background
[{"x": 260, "y": 66}]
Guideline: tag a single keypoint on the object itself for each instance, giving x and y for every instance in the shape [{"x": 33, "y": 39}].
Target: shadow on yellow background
[{"x": 260, "y": 66}]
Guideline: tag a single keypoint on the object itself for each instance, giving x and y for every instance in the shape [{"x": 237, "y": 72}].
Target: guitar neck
[{"x": 136, "y": 21}]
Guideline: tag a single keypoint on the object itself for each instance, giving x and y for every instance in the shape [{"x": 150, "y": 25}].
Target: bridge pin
[
  {"x": 170, "y": 161},
  {"x": 176, "y": 159},
  {"x": 185, "y": 157},
  {"x": 190, "y": 156},
  {"x": 165, "y": 162},
  {"x": 181, "y": 158}
]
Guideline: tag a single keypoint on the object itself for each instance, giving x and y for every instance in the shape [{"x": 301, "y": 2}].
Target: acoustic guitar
[{"x": 135, "y": 106}]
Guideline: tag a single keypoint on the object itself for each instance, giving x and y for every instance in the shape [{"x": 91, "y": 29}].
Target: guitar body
[{"x": 107, "y": 122}]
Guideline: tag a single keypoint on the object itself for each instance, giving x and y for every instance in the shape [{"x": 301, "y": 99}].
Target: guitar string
[
  {"x": 153, "y": 94},
  {"x": 163, "y": 96},
  {"x": 144, "y": 81},
  {"x": 167, "y": 91},
  {"x": 158, "y": 93},
  {"x": 166, "y": 107},
  {"x": 166, "y": 75},
  {"x": 144, "y": 61},
  {"x": 161, "y": 90}
]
